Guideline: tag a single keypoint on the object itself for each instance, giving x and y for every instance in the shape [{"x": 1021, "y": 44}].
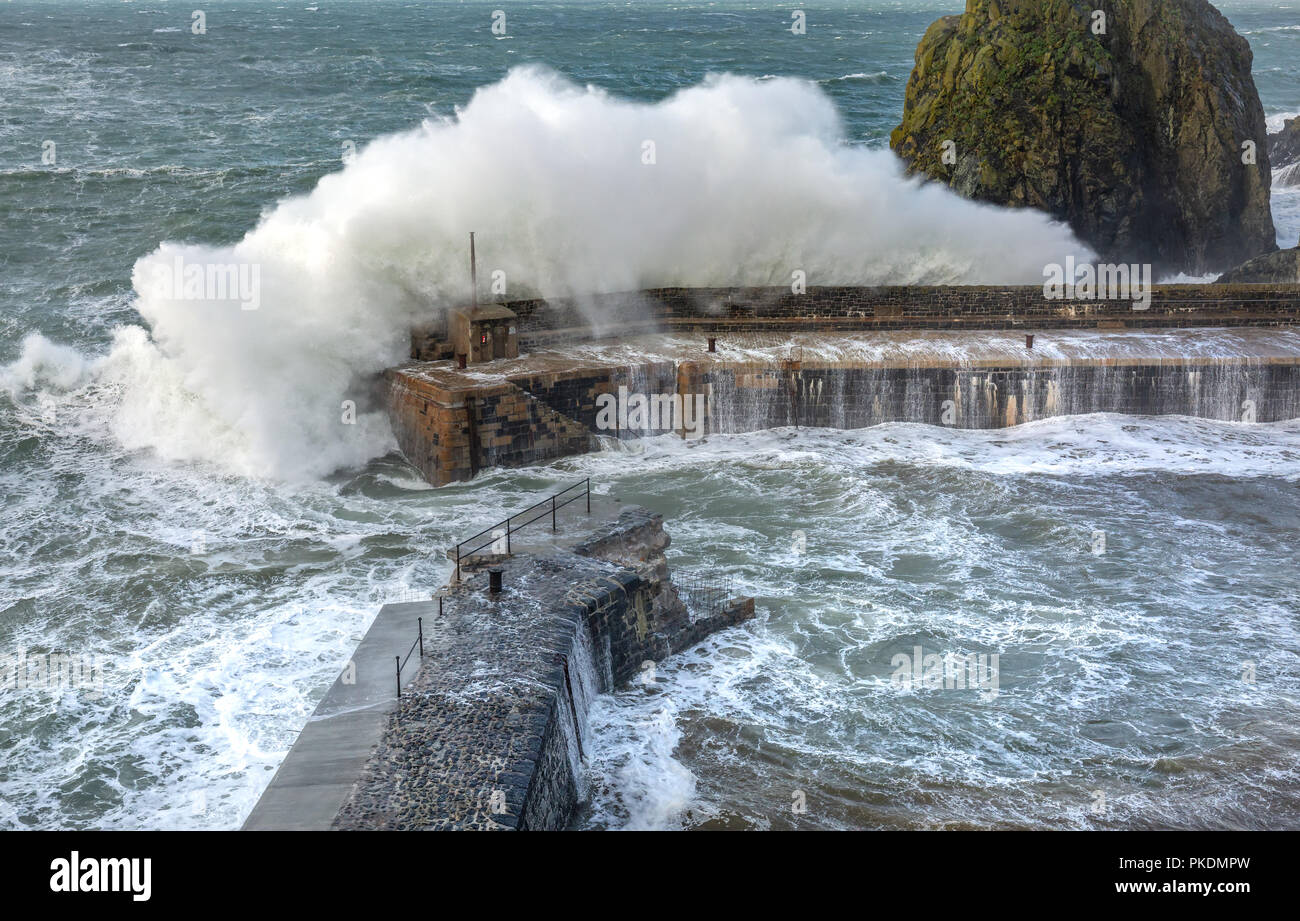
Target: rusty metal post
[
  {"x": 398, "y": 660},
  {"x": 713, "y": 344},
  {"x": 1029, "y": 341},
  {"x": 473, "y": 275}
]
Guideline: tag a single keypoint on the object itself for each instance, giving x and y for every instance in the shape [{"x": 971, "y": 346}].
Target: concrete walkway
[{"x": 317, "y": 775}]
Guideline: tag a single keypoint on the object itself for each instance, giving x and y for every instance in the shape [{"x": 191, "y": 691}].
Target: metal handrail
[
  {"x": 551, "y": 502},
  {"x": 419, "y": 641}
]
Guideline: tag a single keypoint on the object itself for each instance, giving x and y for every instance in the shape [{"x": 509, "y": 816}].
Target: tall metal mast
[{"x": 473, "y": 274}]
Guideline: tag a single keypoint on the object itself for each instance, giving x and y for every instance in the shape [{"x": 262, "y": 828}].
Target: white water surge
[{"x": 734, "y": 181}]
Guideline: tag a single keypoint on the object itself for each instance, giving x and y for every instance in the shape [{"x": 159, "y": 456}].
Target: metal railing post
[
  {"x": 588, "y": 495},
  {"x": 398, "y": 660},
  {"x": 552, "y": 513},
  {"x": 420, "y": 625}
]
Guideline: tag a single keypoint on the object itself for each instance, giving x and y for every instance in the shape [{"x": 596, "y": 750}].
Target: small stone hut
[{"x": 484, "y": 333}]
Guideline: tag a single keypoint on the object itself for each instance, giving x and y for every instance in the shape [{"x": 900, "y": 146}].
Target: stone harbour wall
[
  {"x": 535, "y": 417},
  {"x": 548, "y": 321},
  {"x": 743, "y": 400},
  {"x": 574, "y": 394},
  {"x": 977, "y": 306},
  {"x": 450, "y": 435},
  {"x": 492, "y": 731}
]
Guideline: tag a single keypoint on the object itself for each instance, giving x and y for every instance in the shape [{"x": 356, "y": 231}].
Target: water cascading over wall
[
  {"x": 752, "y": 399},
  {"x": 850, "y": 358},
  {"x": 529, "y": 418},
  {"x": 560, "y": 779}
]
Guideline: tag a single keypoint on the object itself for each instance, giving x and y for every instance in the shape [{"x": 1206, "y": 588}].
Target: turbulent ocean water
[{"x": 184, "y": 508}]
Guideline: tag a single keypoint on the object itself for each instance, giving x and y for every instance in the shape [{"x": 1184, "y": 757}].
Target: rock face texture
[
  {"x": 1284, "y": 153},
  {"x": 1134, "y": 137},
  {"x": 1282, "y": 267}
]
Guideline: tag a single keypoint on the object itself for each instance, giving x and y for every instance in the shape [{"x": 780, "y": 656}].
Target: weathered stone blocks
[{"x": 484, "y": 737}]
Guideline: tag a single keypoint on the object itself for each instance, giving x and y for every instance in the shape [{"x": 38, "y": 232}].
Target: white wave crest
[{"x": 734, "y": 181}]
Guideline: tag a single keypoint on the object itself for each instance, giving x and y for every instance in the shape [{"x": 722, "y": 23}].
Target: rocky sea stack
[
  {"x": 1279, "y": 268},
  {"x": 1284, "y": 153},
  {"x": 1138, "y": 130}
]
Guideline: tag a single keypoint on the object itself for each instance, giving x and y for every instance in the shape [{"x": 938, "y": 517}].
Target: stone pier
[{"x": 490, "y": 731}]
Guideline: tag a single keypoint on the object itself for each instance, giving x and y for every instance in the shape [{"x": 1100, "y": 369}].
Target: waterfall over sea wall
[
  {"x": 745, "y": 400},
  {"x": 996, "y": 379},
  {"x": 556, "y": 401},
  {"x": 581, "y": 686}
]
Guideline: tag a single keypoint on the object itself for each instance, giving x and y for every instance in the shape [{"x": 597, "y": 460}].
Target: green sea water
[{"x": 221, "y": 603}]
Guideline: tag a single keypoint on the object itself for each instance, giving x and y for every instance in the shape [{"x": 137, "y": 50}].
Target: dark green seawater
[{"x": 146, "y": 524}]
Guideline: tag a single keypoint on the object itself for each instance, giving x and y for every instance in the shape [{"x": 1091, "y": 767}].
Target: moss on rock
[{"x": 1134, "y": 137}]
